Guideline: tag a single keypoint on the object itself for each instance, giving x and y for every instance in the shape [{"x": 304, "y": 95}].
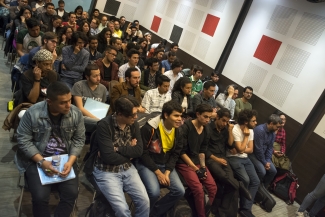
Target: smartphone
[{"x": 232, "y": 121}]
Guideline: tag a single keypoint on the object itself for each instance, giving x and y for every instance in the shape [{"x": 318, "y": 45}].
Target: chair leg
[{"x": 20, "y": 201}]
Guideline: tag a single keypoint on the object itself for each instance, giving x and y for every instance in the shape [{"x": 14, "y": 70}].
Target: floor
[{"x": 9, "y": 192}]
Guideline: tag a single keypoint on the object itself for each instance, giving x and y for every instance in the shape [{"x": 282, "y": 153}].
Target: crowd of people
[{"x": 205, "y": 136}]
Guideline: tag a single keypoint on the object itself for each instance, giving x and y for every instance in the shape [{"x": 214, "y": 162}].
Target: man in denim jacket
[{"x": 47, "y": 127}]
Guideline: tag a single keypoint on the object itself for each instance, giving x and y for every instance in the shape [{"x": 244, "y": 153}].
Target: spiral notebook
[{"x": 45, "y": 180}]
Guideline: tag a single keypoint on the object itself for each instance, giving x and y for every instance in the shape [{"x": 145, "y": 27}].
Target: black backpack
[
  {"x": 264, "y": 199},
  {"x": 100, "y": 207},
  {"x": 285, "y": 187}
]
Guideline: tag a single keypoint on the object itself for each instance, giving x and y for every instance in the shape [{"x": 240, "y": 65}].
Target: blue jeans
[
  {"x": 149, "y": 179},
  {"x": 244, "y": 170},
  {"x": 113, "y": 185},
  {"x": 318, "y": 195},
  {"x": 266, "y": 176}
]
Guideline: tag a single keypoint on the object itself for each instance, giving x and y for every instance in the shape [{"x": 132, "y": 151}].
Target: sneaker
[{"x": 302, "y": 214}]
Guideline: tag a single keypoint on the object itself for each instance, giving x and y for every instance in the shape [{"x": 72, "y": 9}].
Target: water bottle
[{"x": 56, "y": 163}]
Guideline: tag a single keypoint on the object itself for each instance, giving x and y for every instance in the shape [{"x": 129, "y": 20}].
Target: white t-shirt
[
  {"x": 172, "y": 78},
  {"x": 238, "y": 137}
]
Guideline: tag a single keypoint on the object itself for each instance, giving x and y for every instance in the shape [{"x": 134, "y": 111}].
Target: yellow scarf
[{"x": 167, "y": 138}]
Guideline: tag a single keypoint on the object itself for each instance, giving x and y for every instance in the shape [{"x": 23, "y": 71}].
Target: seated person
[
  {"x": 133, "y": 56},
  {"x": 280, "y": 138},
  {"x": 206, "y": 97},
  {"x": 74, "y": 59},
  {"x": 150, "y": 75},
  {"x": 46, "y": 17},
  {"x": 221, "y": 139},
  {"x": 61, "y": 11},
  {"x": 94, "y": 54},
  {"x": 29, "y": 38},
  {"x": 227, "y": 99},
  {"x": 157, "y": 163},
  {"x": 237, "y": 157},
  {"x": 166, "y": 64},
  {"x": 129, "y": 87},
  {"x": 182, "y": 94},
  {"x": 47, "y": 127},
  {"x": 242, "y": 103},
  {"x": 44, "y": 8},
  {"x": 191, "y": 164},
  {"x": 154, "y": 99},
  {"x": 49, "y": 41},
  {"x": 119, "y": 140},
  {"x": 117, "y": 44},
  {"x": 264, "y": 137},
  {"x": 214, "y": 77},
  {"x": 94, "y": 26},
  {"x": 34, "y": 82},
  {"x": 175, "y": 73},
  {"x": 107, "y": 67},
  {"x": 71, "y": 22},
  {"x": 197, "y": 85},
  {"x": 90, "y": 88}
]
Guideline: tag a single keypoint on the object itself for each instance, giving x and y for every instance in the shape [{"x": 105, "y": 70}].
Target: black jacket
[
  {"x": 104, "y": 137},
  {"x": 150, "y": 159},
  {"x": 192, "y": 144},
  {"x": 65, "y": 16},
  {"x": 179, "y": 97}
]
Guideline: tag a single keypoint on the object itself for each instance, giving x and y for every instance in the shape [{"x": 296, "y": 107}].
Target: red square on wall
[
  {"x": 267, "y": 49},
  {"x": 155, "y": 23},
  {"x": 210, "y": 24}
]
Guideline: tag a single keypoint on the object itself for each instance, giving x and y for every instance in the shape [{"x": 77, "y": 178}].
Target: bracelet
[{"x": 37, "y": 80}]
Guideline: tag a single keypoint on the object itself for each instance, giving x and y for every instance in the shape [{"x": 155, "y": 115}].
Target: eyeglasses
[
  {"x": 113, "y": 54},
  {"x": 53, "y": 41}
]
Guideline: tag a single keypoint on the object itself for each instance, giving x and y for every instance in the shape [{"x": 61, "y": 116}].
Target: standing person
[
  {"x": 238, "y": 158},
  {"x": 191, "y": 164},
  {"x": 74, "y": 59},
  {"x": 197, "y": 85},
  {"x": 61, "y": 11},
  {"x": 242, "y": 103},
  {"x": 90, "y": 88},
  {"x": 181, "y": 93},
  {"x": 264, "y": 137},
  {"x": 119, "y": 140},
  {"x": 175, "y": 73},
  {"x": 60, "y": 127},
  {"x": 317, "y": 196},
  {"x": 156, "y": 166}
]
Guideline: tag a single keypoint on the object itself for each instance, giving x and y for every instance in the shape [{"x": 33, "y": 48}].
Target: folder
[
  {"x": 45, "y": 180},
  {"x": 98, "y": 109}
]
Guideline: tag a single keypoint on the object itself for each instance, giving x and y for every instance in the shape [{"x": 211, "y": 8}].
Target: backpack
[
  {"x": 264, "y": 199},
  {"x": 285, "y": 187},
  {"x": 100, "y": 207}
]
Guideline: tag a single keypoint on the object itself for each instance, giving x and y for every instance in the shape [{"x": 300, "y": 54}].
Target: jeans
[
  {"x": 68, "y": 192},
  {"x": 195, "y": 184},
  {"x": 266, "y": 176},
  {"x": 69, "y": 81},
  {"x": 113, "y": 185},
  {"x": 318, "y": 195},
  {"x": 176, "y": 189},
  {"x": 245, "y": 171}
]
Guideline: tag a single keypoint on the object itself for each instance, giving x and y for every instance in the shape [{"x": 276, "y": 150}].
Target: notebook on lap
[{"x": 96, "y": 108}]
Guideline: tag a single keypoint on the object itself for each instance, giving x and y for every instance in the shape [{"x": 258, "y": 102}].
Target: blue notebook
[
  {"x": 98, "y": 109},
  {"x": 45, "y": 180}
]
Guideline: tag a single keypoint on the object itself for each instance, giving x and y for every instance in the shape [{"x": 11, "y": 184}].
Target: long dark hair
[
  {"x": 101, "y": 36},
  {"x": 81, "y": 26},
  {"x": 180, "y": 83},
  {"x": 50, "y": 26},
  {"x": 62, "y": 31}
]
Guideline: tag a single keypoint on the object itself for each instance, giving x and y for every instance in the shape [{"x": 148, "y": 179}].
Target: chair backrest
[{"x": 112, "y": 83}]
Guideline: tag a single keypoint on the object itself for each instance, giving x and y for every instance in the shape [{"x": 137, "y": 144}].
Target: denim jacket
[{"x": 34, "y": 131}]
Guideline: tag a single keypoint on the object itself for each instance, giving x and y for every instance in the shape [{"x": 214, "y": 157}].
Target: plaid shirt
[
  {"x": 281, "y": 139},
  {"x": 120, "y": 138}
]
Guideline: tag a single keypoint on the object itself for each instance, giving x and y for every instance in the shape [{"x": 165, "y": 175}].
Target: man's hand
[
  {"x": 233, "y": 151},
  {"x": 76, "y": 50},
  {"x": 278, "y": 153},
  {"x": 133, "y": 142},
  {"x": 231, "y": 91},
  {"x": 230, "y": 127},
  {"x": 66, "y": 170},
  {"x": 63, "y": 67},
  {"x": 222, "y": 161},
  {"x": 167, "y": 172},
  {"x": 64, "y": 38},
  {"x": 54, "y": 55},
  {"x": 267, "y": 166},
  {"x": 48, "y": 168},
  {"x": 37, "y": 73},
  {"x": 161, "y": 178},
  {"x": 246, "y": 131}
]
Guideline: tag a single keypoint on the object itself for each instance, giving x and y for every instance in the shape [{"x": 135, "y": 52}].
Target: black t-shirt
[
  {"x": 108, "y": 72},
  {"x": 55, "y": 143},
  {"x": 131, "y": 92}
]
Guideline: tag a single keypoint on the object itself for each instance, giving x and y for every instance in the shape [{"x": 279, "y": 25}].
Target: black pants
[
  {"x": 68, "y": 192},
  {"x": 227, "y": 203}
]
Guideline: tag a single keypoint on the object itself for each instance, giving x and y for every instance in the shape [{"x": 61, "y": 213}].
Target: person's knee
[{"x": 153, "y": 193}]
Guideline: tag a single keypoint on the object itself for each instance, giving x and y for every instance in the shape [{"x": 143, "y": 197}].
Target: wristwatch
[{"x": 39, "y": 163}]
